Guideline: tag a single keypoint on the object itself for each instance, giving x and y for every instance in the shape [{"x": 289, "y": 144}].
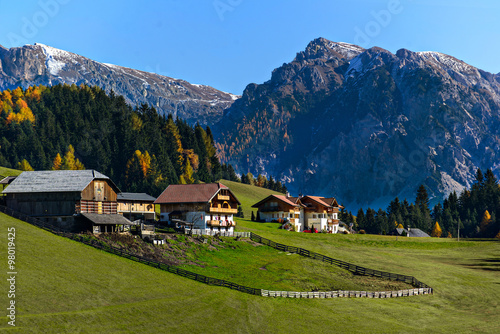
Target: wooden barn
[{"x": 60, "y": 196}]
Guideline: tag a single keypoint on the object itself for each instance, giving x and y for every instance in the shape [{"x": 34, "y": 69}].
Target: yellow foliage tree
[
  {"x": 188, "y": 173},
  {"x": 436, "y": 231},
  {"x": 24, "y": 165},
  {"x": 140, "y": 167},
  {"x": 485, "y": 221},
  {"x": 69, "y": 159},
  {"x": 57, "y": 163}
]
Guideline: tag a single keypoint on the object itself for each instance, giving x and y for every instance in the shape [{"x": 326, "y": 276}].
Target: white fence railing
[{"x": 218, "y": 233}]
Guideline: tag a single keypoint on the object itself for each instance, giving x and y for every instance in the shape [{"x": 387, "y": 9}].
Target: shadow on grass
[{"x": 492, "y": 264}]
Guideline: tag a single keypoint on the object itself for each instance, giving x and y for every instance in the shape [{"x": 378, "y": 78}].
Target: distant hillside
[
  {"x": 248, "y": 195},
  {"x": 366, "y": 125},
  {"x": 40, "y": 64}
]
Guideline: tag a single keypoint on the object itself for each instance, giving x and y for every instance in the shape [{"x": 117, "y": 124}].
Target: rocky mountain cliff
[
  {"x": 44, "y": 65},
  {"x": 367, "y": 125}
]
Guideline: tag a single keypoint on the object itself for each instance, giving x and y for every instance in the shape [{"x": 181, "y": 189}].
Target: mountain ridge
[
  {"x": 37, "y": 64},
  {"x": 366, "y": 125}
]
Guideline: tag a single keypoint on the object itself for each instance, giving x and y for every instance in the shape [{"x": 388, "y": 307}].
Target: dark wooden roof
[
  {"x": 55, "y": 181},
  {"x": 191, "y": 193},
  {"x": 99, "y": 219},
  {"x": 139, "y": 197}
]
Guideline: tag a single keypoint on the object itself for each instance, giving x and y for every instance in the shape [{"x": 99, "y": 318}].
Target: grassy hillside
[
  {"x": 66, "y": 287},
  {"x": 248, "y": 195}
]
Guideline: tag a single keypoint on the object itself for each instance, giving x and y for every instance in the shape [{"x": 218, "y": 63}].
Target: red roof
[
  {"x": 297, "y": 202},
  {"x": 288, "y": 200},
  {"x": 317, "y": 199},
  {"x": 191, "y": 193}
]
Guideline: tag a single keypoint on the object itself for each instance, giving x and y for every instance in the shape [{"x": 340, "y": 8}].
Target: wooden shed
[{"x": 59, "y": 196}]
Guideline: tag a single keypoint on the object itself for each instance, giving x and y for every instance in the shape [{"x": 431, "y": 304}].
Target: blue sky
[{"x": 228, "y": 44}]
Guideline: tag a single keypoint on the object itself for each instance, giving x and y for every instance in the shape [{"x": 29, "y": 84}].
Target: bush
[{"x": 362, "y": 232}]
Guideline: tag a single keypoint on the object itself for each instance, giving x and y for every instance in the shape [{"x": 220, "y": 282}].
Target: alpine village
[{"x": 244, "y": 199}]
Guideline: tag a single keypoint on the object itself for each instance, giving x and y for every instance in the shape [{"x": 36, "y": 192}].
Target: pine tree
[
  {"x": 422, "y": 201},
  {"x": 240, "y": 213},
  {"x": 436, "y": 231},
  {"x": 360, "y": 219}
]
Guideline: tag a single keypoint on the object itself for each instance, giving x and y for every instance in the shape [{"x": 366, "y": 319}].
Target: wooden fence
[
  {"x": 358, "y": 270},
  {"x": 422, "y": 288}
]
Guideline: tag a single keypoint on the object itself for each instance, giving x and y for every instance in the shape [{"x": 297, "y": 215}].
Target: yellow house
[{"x": 136, "y": 206}]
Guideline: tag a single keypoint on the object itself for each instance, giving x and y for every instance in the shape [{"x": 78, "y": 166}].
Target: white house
[{"x": 209, "y": 207}]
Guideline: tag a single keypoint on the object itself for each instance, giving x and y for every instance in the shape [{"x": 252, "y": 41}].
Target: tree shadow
[{"x": 491, "y": 264}]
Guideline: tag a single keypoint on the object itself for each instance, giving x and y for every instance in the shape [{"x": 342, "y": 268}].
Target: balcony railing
[
  {"x": 220, "y": 223},
  {"x": 223, "y": 197},
  {"x": 223, "y": 210}
]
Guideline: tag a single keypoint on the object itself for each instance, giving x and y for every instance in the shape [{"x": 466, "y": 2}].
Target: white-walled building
[
  {"x": 303, "y": 213},
  {"x": 209, "y": 207}
]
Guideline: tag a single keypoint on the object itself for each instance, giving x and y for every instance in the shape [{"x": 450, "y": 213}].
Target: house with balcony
[
  {"x": 281, "y": 208},
  {"x": 75, "y": 200},
  {"x": 208, "y": 207},
  {"x": 304, "y": 212}
]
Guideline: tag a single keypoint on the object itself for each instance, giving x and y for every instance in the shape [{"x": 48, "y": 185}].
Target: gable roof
[
  {"x": 292, "y": 201},
  {"x": 55, "y": 181},
  {"x": 317, "y": 199},
  {"x": 99, "y": 219},
  {"x": 8, "y": 180},
  {"x": 143, "y": 197},
  {"x": 414, "y": 232},
  {"x": 191, "y": 193}
]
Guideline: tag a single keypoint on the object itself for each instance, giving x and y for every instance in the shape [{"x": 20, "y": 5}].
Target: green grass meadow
[
  {"x": 63, "y": 286},
  {"x": 248, "y": 195},
  {"x": 66, "y": 287}
]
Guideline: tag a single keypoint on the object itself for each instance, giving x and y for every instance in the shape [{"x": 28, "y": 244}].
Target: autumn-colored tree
[
  {"x": 57, "y": 163},
  {"x": 436, "y": 231},
  {"x": 188, "y": 173},
  {"x": 69, "y": 159},
  {"x": 399, "y": 225},
  {"x": 449, "y": 235},
  {"x": 261, "y": 181},
  {"x": 24, "y": 165},
  {"x": 79, "y": 165},
  {"x": 139, "y": 166},
  {"x": 485, "y": 221},
  {"x": 192, "y": 157}
]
